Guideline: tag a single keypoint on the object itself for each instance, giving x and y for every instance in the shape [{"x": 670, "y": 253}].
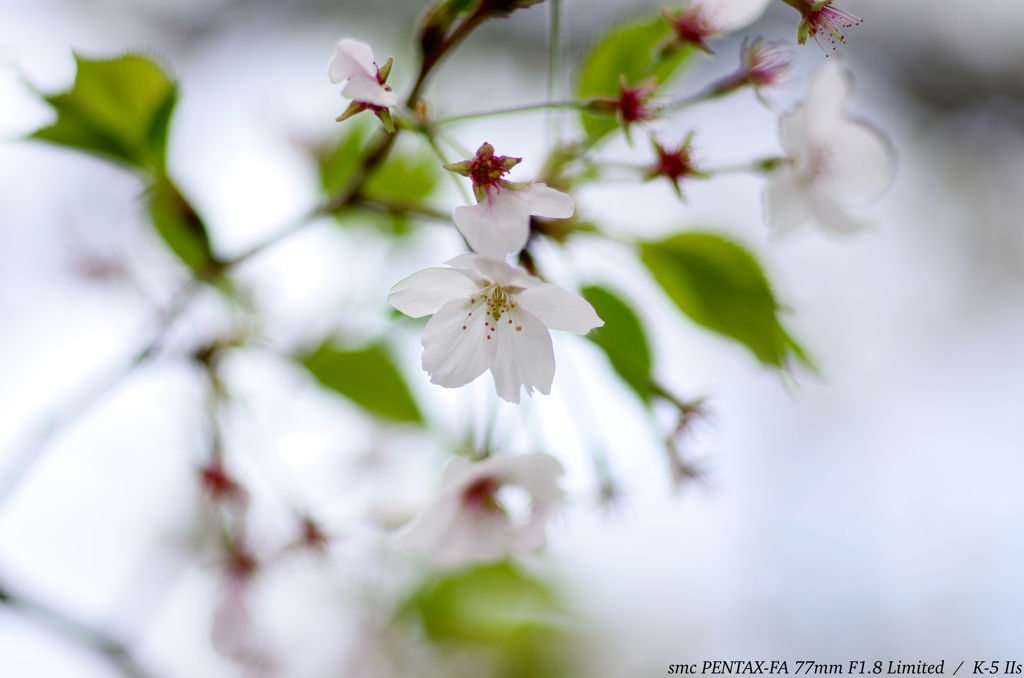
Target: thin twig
[
  {"x": 547, "y": 106},
  {"x": 116, "y": 652}
]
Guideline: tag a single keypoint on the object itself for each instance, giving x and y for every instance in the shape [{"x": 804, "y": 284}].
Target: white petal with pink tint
[
  {"x": 467, "y": 523},
  {"x": 353, "y": 61},
  {"x": 831, "y": 160},
  {"x": 490, "y": 315},
  {"x": 500, "y": 223}
]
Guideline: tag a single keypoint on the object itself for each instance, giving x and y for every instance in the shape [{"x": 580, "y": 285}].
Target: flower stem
[
  {"x": 508, "y": 111},
  {"x": 555, "y": 59},
  {"x": 444, "y": 161}
]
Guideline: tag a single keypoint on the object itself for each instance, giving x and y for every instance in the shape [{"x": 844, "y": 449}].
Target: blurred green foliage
[
  {"x": 121, "y": 109},
  {"x": 366, "y": 377},
  {"x": 179, "y": 225},
  {"x": 405, "y": 179},
  {"x": 498, "y": 608},
  {"x": 622, "y": 338},
  {"x": 720, "y": 285},
  {"x": 633, "y": 50}
]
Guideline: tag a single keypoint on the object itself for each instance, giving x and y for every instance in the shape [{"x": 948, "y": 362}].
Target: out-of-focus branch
[
  {"x": 350, "y": 196},
  {"x": 116, "y": 652},
  {"x": 400, "y": 208}
]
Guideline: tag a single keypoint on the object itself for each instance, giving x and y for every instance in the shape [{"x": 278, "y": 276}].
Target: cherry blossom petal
[
  {"x": 495, "y": 226},
  {"x": 369, "y": 91},
  {"x": 862, "y": 161},
  {"x": 536, "y": 473},
  {"x": 505, "y": 274},
  {"x": 542, "y": 201},
  {"x": 425, "y": 292},
  {"x": 725, "y": 16},
  {"x": 464, "y": 262},
  {"x": 559, "y": 309},
  {"x": 474, "y": 537},
  {"x": 827, "y": 97},
  {"x": 830, "y": 215},
  {"x": 531, "y": 536},
  {"x": 351, "y": 59},
  {"x": 454, "y": 356},
  {"x": 525, "y": 356},
  {"x": 429, "y": 527},
  {"x": 458, "y": 474},
  {"x": 793, "y": 132},
  {"x": 785, "y": 205},
  {"x": 451, "y": 535}
]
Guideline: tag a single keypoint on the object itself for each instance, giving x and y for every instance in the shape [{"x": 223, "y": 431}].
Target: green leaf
[
  {"x": 720, "y": 285},
  {"x": 179, "y": 225},
  {"x": 367, "y": 378},
  {"x": 633, "y": 50},
  {"x": 491, "y": 604},
  {"x": 338, "y": 161},
  {"x": 405, "y": 177},
  {"x": 119, "y": 108},
  {"x": 622, "y": 338}
]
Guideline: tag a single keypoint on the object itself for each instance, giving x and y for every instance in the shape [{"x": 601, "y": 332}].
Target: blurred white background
[{"x": 871, "y": 513}]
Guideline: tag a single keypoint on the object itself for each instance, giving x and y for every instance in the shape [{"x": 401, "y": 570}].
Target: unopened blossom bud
[
  {"x": 821, "y": 21},
  {"x": 675, "y": 165},
  {"x": 434, "y": 24}
]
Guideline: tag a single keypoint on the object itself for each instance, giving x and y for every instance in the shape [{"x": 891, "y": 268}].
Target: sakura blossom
[
  {"x": 700, "y": 20},
  {"x": 468, "y": 522},
  {"x": 830, "y": 160},
  {"x": 499, "y": 224},
  {"x": 353, "y": 61},
  {"x": 489, "y": 315}
]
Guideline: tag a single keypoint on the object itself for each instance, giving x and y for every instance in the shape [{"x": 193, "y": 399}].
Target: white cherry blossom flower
[
  {"x": 700, "y": 20},
  {"x": 467, "y": 522},
  {"x": 499, "y": 223},
  {"x": 830, "y": 160},
  {"x": 488, "y": 314},
  {"x": 353, "y": 61}
]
